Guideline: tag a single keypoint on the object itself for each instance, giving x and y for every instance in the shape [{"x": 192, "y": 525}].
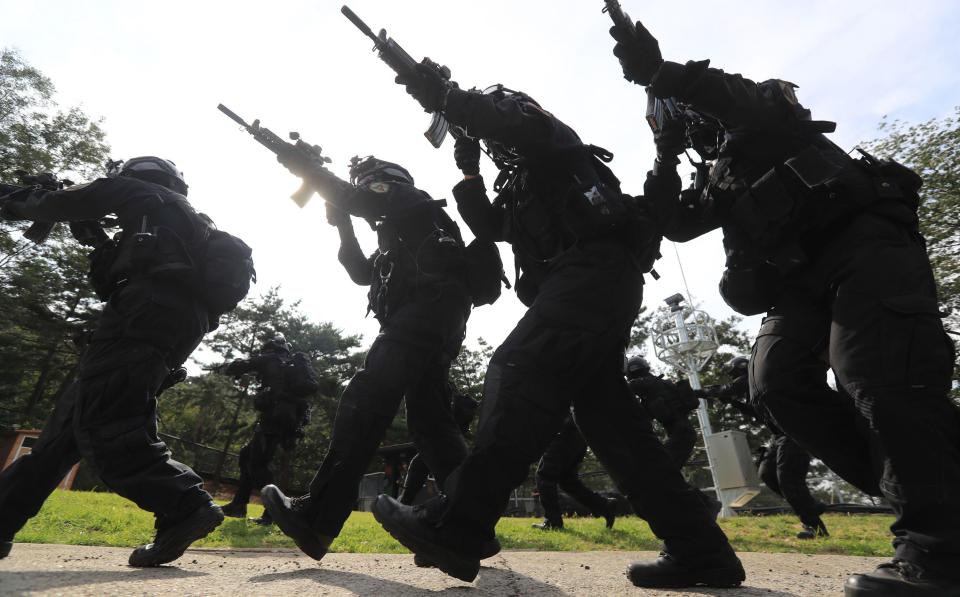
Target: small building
[{"x": 18, "y": 442}]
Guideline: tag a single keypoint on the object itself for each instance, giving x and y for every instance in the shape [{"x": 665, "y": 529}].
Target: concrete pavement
[{"x": 33, "y": 569}]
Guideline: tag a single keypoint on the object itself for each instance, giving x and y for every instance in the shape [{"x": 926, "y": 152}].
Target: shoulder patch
[{"x": 379, "y": 187}]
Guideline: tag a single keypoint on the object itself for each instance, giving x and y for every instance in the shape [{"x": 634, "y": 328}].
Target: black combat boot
[
  {"x": 409, "y": 526},
  {"x": 549, "y": 525},
  {"x": 234, "y": 509},
  {"x": 174, "y": 537},
  {"x": 812, "y": 531},
  {"x": 610, "y": 511},
  {"x": 900, "y": 578},
  {"x": 5, "y": 547},
  {"x": 666, "y": 572},
  {"x": 291, "y": 515},
  {"x": 265, "y": 519},
  {"x": 487, "y": 550}
]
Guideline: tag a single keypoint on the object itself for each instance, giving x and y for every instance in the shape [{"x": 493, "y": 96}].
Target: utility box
[{"x": 734, "y": 471}]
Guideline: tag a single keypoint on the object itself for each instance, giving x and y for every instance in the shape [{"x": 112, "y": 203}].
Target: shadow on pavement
[
  {"x": 494, "y": 581},
  {"x": 34, "y": 580},
  {"x": 741, "y": 591}
]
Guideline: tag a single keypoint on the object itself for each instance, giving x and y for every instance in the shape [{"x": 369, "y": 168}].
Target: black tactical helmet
[
  {"x": 737, "y": 366},
  {"x": 156, "y": 170},
  {"x": 276, "y": 344},
  {"x": 364, "y": 171},
  {"x": 637, "y": 366}
]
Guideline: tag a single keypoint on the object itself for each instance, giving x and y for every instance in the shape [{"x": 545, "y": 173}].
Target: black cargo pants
[
  {"x": 568, "y": 350},
  {"x": 108, "y": 416},
  {"x": 558, "y": 470},
  {"x": 870, "y": 303},
  {"x": 784, "y": 470},
  {"x": 409, "y": 359}
]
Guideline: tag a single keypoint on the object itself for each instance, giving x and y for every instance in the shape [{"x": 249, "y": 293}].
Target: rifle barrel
[
  {"x": 233, "y": 115},
  {"x": 358, "y": 22}
]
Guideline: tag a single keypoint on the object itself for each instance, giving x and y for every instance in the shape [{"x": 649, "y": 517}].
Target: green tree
[
  {"x": 45, "y": 299},
  {"x": 468, "y": 370},
  {"x": 213, "y": 410},
  {"x": 38, "y": 135}
]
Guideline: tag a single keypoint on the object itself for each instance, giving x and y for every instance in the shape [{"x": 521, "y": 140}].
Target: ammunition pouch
[
  {"x": 595, "y": 210},
  {"x": 818, "y": 190},
  {"x": 751, "y": 290},
  {"x": 101, "y": 272}
]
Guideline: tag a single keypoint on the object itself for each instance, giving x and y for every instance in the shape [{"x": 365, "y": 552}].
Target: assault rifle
[
  {"x": 619, "y": 18},
  {"x": 301, "y": 152},
  {"x": 661, "y": 111},
  {"x": 403, "y": 64},
  {"x": 38, "y": 232}
]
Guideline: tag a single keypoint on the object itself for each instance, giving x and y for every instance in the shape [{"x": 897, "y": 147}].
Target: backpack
[
  {"x": 224, "y": 270},
  {"x": 484, "y": 272},
  {"x": 299, "y": 376}
]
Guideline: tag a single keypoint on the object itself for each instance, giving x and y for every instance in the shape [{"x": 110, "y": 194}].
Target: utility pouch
[
  {"x": 143, "y": 247},
  {"x": 891, "y": 179},
  {"x": 595, "y": 209},
  {"x": 763, "y": 212},
  {"x": 813, "y": 169},
  {"x": 102, "y": 274}
]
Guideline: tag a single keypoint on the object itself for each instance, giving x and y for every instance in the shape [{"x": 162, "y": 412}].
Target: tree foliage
[
  {"x": 216, "y": 411},
  {"x": 38, "y": 135},
  {"x": 45, "y": 299}
]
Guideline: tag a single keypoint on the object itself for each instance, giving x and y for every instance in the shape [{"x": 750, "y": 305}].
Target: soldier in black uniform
[
  {"x": 283, "y": 414},
  {"x": 783, "y": 465},
  {"x": 667, "y": 402},
  {"x": 581, "y": 249},
  {"x": 558, "y": 470},
  {"x": 418, "y": 294},
  {"x": 829, "y": 246},
  {"x": 464, "y": 410},
  {"x": 151, "y": 323}
]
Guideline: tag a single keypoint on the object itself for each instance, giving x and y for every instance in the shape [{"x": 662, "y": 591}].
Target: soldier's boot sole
[
  {"x": 422, "y": 540},
  {"x": 293, "y": 524},
  {"x": 171, "y": 543}
]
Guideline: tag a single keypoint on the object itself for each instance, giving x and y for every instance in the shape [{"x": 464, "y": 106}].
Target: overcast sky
[{"x": 155, "y": 71}]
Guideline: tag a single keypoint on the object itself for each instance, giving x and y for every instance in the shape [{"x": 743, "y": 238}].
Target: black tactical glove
[
  {"x": 467, "y": 154},
  {"x": 336, "y": 216},
  {"x": 639, "y": 54},
  {"x": 10, "y": 203},
  {"x": 671, "y": 140},
  {"x": 233, "y": 369},
  {"x": 426, "y": 86}
]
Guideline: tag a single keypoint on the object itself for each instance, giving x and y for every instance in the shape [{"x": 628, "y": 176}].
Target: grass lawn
[{"x": 82, "y": 518}]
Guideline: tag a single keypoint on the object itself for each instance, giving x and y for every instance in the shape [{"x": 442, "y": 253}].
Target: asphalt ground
[{"x": 43, "y": 569}]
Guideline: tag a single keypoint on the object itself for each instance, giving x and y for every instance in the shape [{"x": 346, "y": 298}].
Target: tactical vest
[
  {"x": 784, "y": 192},
  {"x": 563, "y": 198},
  {"x": 424, "y": 266}
]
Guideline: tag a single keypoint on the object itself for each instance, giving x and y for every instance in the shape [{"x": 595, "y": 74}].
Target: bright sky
[{"x": 155, "y": 71}]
